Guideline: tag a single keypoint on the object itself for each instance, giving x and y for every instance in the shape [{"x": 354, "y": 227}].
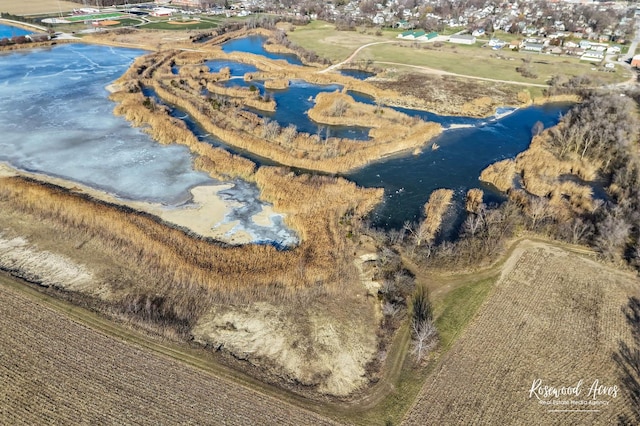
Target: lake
[
  {"x": 57, "y": 120},
  {"x": 255, "y": 44},
  {"x": 7, "y": 31}
]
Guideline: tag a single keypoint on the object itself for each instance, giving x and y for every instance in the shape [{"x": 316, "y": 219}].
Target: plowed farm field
[
  {"x": 56, "y": 371},
  {"x": 541, "y": 349}
]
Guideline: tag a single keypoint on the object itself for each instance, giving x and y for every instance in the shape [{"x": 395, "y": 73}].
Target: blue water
[
  {"x": 56, "y": 119},
  {"x": 254, "y": 44},
  {"x": 238, "y": 69},
  {"x": 293, "y": 103},
  {"x": 359, "y": 74},
  {"x": 463, "y": 154},
  {"x": 409, "y": 180},
  {"x": 7, "y": 31}
]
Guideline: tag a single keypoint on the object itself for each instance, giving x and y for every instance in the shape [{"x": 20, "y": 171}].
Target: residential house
[
  {"x": 592, "y": 56},
  {"x": 462, "y": 39},
  {"x": 533, "y": 47}
]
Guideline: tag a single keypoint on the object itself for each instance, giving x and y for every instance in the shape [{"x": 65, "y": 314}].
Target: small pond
[{"x": 255, "y": 44}]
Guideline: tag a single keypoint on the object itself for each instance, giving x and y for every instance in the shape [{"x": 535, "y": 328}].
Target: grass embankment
[
  {"x": 173, "y": 25},
  {"x": 38, "y": 7},
  {"x": 453, "y": 311},
  {"x": 226, "y": 120}
]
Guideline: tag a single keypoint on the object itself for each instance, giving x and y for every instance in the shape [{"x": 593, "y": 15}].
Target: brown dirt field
[
  {"x": 55, "y": 370},
  {"x": 554, "y": 316},
  {"x": 183, "y": 22},
  {"x": 37, "y": 7},
  {"x": 108, "y": 23}
]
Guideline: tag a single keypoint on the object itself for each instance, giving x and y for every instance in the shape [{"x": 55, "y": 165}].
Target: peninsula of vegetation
[{"x": 351, "y": 323}]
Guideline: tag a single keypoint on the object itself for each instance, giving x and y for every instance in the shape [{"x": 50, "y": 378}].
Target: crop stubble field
[
  {"x": 33, "y": 7},
  {"x": 554, "y": 316},
  {"x": 54, "y": 370}
]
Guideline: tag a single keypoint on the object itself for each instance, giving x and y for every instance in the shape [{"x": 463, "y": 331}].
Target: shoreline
[{"x": 203, "y": 213}]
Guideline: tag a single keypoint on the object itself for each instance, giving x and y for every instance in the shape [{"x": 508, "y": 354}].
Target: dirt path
[
  {"x": 441, "y": 72},
  {"x": 354, "y": 54}
]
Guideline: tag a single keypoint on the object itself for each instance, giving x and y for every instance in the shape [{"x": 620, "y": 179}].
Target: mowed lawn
[
  {"x": 322, "y": 38},
  {"x": 554, "y": 318},
  {"x": 37, "y": 7},
  {"x": 484, "y": 62}
]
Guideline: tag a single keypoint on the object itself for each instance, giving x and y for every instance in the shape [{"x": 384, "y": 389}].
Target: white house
[
  {"x": 462, "y": 39},
  {"x": 592, "y": 56},
  {"x": 533, "y": 47}
]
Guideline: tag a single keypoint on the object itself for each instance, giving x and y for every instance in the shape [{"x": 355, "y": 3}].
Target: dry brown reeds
[
  {"x": 500, "y": 174},
  {"x": 244, "y": 130},
  {"x": 277, "y": 84},
  {"x": 473, "y": 200},
  {"x": 337, "y": 108},
  {"x": 434, "y": 210},
  {"x": 166, "y": 129},
  {"x": 542, "y": 174},
  {"x": 479, "y": 107},
  {"x": 180, "y": 262}
]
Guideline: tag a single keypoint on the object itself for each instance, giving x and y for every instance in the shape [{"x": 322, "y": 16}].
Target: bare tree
[
  {"x": 423, "y": 329},
  {"x": 538, "y": 210},
  {"x": 612, "y": 235},
  {"x": 424, "y": 338}
]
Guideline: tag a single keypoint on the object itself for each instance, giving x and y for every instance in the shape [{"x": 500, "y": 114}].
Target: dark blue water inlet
[
  {"x": 409, "y": 180},
  {"x": 238, "y": 69},
  {"x": 292, "y": 104},
  {"x": 456, "y": 164},
  {"x": 202, "y": 134},
  {"x": 8, "y": 31},
  {"x": 357, "y": 74},
  {"x": 255, "y": 44}
]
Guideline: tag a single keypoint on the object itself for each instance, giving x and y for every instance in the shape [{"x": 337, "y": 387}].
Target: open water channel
[{"x": 57, "y": 120}]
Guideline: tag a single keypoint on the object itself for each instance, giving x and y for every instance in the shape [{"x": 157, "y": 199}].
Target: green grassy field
[
  {"x": 82, "y": 18},
  {"x": 484, "y": 62},
  {"x": 323, "y": 39},
  {"x": 202, "y": 24},
  {"x": 453, "y": 313}
]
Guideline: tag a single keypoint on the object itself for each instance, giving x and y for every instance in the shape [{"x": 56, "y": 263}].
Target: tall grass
[
  {"x": 176, "y": 261},
  {"x": 434, "y": 210},
  {"x": 242, "y": 129}
]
